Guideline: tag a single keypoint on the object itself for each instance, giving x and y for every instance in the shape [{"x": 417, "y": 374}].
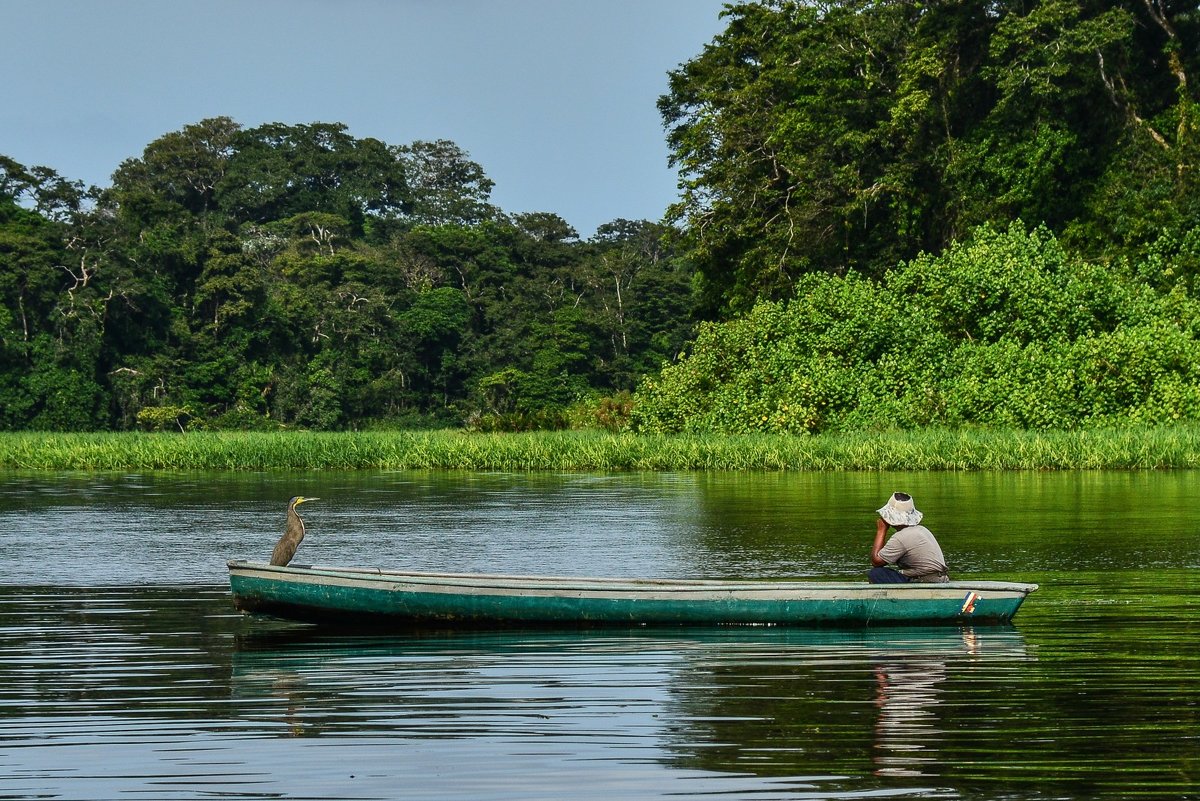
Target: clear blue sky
[{"x": 554, "y": 98}]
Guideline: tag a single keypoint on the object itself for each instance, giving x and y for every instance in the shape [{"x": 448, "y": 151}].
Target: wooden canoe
[{"x": 356, "y": 597}]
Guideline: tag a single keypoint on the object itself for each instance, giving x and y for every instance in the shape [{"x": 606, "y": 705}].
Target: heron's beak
[{"x": 306, "y": 500}]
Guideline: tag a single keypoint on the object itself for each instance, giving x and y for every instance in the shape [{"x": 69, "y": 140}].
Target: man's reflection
[{"x": 907, "y": 693}]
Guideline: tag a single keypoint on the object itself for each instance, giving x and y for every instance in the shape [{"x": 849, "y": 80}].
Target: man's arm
[{"x": 881, "y": 528}]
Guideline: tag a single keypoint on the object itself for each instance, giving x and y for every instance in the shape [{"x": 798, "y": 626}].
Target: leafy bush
[
  {"x": 1004, "y": 330},
  {"x": 165, "y": 418},
  {"x": 538, "y": 420},
  {"x": 608, "y": 413}
]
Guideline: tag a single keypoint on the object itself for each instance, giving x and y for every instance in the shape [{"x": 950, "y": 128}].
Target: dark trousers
[{"x": 886, "y": 575}]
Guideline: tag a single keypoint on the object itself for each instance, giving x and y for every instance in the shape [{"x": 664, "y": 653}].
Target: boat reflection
[
  {"x": 771, "y": 702},
  {"x": 896, "y": 703}
]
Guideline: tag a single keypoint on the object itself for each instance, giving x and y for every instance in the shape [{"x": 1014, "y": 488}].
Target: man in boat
[{"x": 912, "y": 553}]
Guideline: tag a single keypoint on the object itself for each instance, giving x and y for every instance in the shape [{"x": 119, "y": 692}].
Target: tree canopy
[
  {"x": 850, "y": 135},
  {"x": 294, "y": 275}
]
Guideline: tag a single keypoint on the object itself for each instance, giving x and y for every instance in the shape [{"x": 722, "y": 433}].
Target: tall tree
[
  {"x": 641, "y": 294},
  {"x": 445, "y": 186},
  {"x": 177, "y": 173},
  {"x": 278, "y": 171},
  {"x": 31, "y": 278}
]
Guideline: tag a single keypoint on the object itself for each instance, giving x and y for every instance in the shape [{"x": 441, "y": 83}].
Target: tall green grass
[{"x": 1150, "y": 448}]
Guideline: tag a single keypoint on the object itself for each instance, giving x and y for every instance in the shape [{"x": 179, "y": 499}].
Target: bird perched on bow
[{"x": 285, "y": 549}]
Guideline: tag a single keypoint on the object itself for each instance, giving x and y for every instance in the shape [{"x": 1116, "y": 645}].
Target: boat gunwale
[{"x": 544, "y": 583}]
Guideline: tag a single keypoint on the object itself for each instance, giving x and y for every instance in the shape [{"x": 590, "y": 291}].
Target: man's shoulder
[{"x": 913, "y": 532}]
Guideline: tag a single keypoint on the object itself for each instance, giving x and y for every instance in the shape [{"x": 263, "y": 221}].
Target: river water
[{"x": 125, "y": 672}]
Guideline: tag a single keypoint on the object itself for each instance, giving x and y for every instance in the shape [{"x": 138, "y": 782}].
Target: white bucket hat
[{"x": 900, "y": 510}]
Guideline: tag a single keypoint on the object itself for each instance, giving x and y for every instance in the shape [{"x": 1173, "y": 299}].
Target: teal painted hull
[{"x": 358, "y": 597}]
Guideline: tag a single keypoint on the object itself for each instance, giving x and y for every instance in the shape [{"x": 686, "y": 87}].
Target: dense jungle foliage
[
  {"x": 892, "y": 215},
  {"x": 855, "y": 134},
  {"x": 294, "y": 275}
]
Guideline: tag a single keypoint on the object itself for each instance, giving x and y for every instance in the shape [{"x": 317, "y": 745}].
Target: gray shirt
[{"x": 914, "y": 550}]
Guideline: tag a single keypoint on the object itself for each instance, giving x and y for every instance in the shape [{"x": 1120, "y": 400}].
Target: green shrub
[
  {"x": 608, "y": 413},
  {"x": 165, "y": 418},
  {"x": 1001, "y": 331}
]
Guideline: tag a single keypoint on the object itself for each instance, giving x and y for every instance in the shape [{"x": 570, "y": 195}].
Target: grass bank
[{"x": 1153, "y": 448}]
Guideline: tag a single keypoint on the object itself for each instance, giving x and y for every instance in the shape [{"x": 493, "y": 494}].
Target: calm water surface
[{"x": 125, "y": 673}]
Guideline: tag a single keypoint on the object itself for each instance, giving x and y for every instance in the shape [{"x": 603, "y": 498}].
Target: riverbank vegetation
[
  {"x": 1152, "y": 448},
  {"x": 893, "y": 216}
]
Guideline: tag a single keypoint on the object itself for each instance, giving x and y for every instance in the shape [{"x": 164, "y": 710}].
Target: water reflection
[
  {"x": 849, "y": 703},
  {"x": 772, "y": 702},
  {"x": 908, "y": 694}
]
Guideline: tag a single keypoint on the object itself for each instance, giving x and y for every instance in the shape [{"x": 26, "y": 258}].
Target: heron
[{"x": 285, "y": 549}]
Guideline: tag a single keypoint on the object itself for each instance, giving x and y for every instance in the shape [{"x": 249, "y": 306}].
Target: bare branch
[{"x": 1117, "y": 99}]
